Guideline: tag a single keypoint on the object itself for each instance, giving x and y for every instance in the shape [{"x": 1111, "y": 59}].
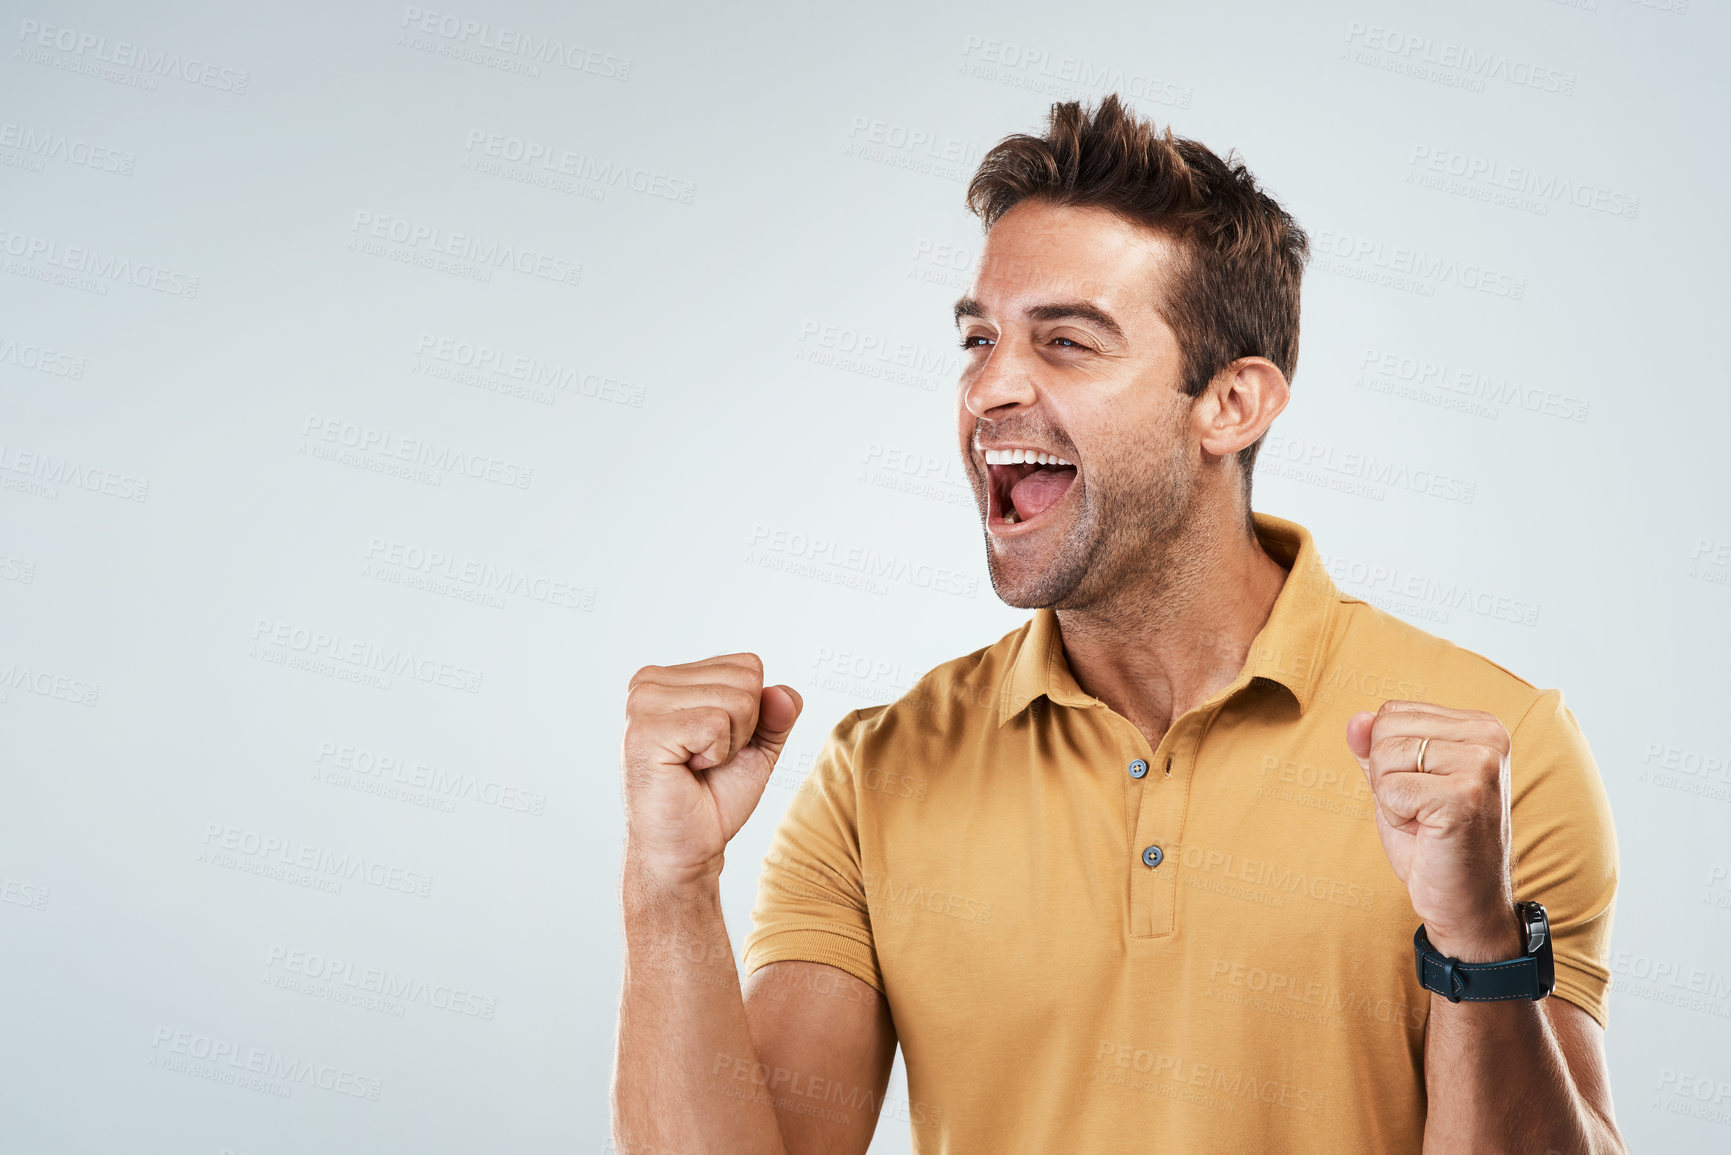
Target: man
[{"x": 1146, "y": 873}]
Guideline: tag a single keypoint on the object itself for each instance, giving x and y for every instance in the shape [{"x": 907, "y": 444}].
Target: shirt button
[
  {"x": 1138, "y": 768},
  {"x": 1152, "y": 856}
]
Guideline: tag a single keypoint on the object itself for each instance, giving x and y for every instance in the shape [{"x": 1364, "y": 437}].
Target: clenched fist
[
  {"x": 700, "y": 741},
  {"x": 1445, "y": 824}
]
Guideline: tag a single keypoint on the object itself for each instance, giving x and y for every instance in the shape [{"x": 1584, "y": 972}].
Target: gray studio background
[{"x": 382, "y": 388}]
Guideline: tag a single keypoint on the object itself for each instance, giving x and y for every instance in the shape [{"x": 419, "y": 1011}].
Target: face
[{"x": 1063, "y": 353}]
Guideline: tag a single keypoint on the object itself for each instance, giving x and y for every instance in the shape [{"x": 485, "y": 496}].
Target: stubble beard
[{"x": 1121, "y": 546}]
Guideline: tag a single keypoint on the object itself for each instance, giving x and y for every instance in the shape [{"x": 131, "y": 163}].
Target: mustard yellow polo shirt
[{"x": 1088, "y": 945}]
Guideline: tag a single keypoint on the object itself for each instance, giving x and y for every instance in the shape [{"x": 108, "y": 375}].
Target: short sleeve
[
  {"x": 811, "y": 896},
  {"x": 1565, "y": 847}
]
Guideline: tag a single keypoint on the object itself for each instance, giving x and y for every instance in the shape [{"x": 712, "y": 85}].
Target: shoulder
[
  {"x": 1383, "y": 654},
  {"x": 957, "y": 696}
]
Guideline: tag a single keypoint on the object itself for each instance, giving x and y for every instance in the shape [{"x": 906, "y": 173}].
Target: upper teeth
[{"x": 1020, "y": 456}]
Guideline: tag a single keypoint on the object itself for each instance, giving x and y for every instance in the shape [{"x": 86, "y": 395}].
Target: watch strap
[{"x": 1530, "y": 976}]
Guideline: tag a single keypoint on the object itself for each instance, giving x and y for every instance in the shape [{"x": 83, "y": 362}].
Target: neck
[{"x": 1180, "y": 632}]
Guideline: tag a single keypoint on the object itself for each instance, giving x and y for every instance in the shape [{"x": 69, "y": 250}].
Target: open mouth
[{"x": 1024, "y": 493}]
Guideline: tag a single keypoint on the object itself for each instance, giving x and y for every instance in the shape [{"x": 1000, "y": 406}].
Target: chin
[
  {"x": 1017, "y": 599},
  {"x": 1030, "y": 589}
]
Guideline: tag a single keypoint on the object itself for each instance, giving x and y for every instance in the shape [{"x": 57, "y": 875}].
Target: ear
[{"x": 1239, "y": 405}]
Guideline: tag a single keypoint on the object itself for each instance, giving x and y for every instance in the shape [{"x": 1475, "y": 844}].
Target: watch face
[{"x": 1535, "y": 925}]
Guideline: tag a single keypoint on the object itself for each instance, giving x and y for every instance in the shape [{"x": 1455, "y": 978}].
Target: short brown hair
[{"x": 1235, "y": 292}]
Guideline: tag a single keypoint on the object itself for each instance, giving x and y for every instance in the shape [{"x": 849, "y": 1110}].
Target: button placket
[{"x": 1159, "y": 825}]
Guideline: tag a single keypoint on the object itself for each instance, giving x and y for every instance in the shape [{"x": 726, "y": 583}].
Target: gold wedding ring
[{"x": 1422, "y": 742}]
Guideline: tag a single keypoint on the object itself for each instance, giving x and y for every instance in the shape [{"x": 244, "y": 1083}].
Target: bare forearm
[
  {"x": 682, "y": 1029},
  {"x": 1497, "y": 1080}
]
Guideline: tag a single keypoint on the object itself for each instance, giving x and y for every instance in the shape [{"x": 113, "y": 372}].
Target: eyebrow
[{"x": 1053, "y": 311}]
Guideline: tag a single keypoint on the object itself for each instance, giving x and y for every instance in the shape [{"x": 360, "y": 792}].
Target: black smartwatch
[{"x": 1529, "y": 975}]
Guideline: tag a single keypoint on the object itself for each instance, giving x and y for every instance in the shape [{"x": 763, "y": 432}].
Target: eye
[
  {"x": 1072, "y": 343},
  {"x": 973, "y": 337}
]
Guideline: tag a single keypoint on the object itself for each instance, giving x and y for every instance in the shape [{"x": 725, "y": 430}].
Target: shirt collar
[{"x": 1288, "y": 650}]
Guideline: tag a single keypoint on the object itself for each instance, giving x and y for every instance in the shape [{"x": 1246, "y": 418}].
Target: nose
[{"x": 1001, "y": 378}]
